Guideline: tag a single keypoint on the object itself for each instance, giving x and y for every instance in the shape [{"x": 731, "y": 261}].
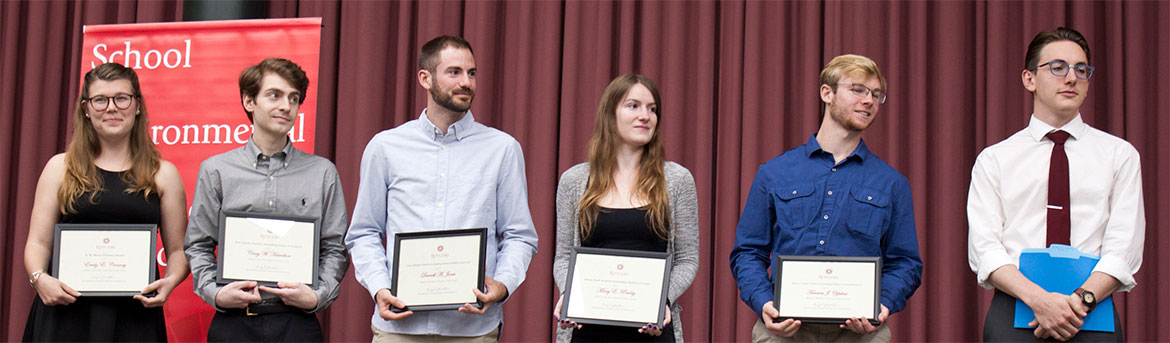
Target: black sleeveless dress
[
  {"x": 622, "y": 228},
  {"x": 102, "y": 319}
]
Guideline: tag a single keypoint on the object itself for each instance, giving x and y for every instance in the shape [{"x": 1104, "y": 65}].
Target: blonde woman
[
  {"x": 627, "y": 196},
  {"x": 110, "y": 173}
]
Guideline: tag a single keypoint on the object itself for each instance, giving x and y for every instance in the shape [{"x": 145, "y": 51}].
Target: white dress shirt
[{"x": 1007, "y": 202}]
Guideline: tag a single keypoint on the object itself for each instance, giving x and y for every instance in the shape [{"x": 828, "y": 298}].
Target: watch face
[{"x": 1088, "y": 297}]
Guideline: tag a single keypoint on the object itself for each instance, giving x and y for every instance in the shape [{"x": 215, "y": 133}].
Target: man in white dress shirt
[{"x": 1056, "y": 181}]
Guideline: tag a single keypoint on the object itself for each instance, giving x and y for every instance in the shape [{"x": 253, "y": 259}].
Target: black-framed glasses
[
  {"x": 862, "y": 91},
  {"x": 1059, "y": 68},
  {"x": 102, "y": 102}
]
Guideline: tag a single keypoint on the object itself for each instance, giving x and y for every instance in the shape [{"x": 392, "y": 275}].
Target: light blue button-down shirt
[{"x": 414, "y": 178}]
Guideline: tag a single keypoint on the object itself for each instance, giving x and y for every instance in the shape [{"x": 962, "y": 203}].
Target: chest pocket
[
  {"x": 795, "y": 205},
  {"x": 869, "y": 211}
]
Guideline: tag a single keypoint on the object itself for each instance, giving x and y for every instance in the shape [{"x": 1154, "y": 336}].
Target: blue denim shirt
[{"x": 802, "y": 203}]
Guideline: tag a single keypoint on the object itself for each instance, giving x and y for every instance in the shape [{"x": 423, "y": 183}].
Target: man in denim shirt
[{"x": 830, "y": 197}]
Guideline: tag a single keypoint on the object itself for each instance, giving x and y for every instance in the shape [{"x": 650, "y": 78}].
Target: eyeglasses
[
  {"x": 1060, "y": 69},
  {"x": 102, "y": 102},
  {"x": 862, "y": 91}
]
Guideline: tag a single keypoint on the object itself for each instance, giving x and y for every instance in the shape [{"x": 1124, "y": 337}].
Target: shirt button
[
  {"x": 868, "y": 198},
  {"x": 270, "y": 177},
  {"x": 440, "y": 205},
  {"x": 793, "y": 192},
  {"x": 830, "y": 192},
  {"x": 822, "y": 242},
  {"x": 442, "y": 174},
  {"x": 826, "y": 217},
  {"x": 444, "y": 146},
  {"x": 834, "y": 169},
  {"x": 286, "y": 164},
  {"x": 269, "y": 202}
]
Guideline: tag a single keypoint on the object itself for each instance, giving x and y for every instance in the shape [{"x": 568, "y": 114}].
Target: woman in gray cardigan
[{"x": 628, "y": 197}]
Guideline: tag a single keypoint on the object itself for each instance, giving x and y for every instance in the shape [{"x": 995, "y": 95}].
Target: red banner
[{"x": 189, "y": 76}]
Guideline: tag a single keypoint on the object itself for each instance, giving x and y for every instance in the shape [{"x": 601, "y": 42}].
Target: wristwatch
[{"x": 1087, "y": 297}]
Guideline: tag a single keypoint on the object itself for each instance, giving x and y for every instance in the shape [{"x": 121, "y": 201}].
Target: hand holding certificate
[
  {"x": 828, "y": 289},
  {"x": 616, "y": 287},
  {"x": 439, "y": 270},
  {"x": 105, "y": 259}
]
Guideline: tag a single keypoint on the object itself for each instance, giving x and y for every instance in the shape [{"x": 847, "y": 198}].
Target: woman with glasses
[
  {"x": 110, "y": 173},
  {"x": 627, "y": 196}
]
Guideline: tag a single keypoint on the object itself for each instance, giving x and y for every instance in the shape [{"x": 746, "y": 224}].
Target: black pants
[
  {"x": 999, "y": 325},
  {"x": 293, "y": 326}
]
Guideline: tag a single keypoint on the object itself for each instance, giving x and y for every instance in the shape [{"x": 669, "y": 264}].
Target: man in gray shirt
[{"x": 268, "y": 176}]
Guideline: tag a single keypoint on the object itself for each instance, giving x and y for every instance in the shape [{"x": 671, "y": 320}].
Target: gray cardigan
[{"x": 684, "y": 224}]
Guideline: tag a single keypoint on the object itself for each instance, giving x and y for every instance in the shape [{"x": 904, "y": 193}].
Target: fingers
[
  {"x": 566, "y": 324},
  {"x": 651, "y": 329},
  {"x": 786, "y": 328},
  {"x": 153, "y": 286},
  {"x": 467, "y": 308},
  {"x": 72, "y": 293},
  {"x": 390, "y": 315}
]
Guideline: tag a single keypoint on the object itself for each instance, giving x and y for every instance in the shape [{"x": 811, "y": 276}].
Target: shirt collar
[
  {"x": 1038, "y": 129},
  {"x": 459, "y": 129},
  {"x": 812, "y": 147},
  {"x": 253, "y": 150}
]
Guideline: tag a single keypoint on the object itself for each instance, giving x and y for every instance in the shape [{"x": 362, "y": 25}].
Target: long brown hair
[
  {"x": 80, "y": 172},
  {"x": 602, "y": 157}
]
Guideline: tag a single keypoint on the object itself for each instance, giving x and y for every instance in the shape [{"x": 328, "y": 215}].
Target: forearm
[
  {"x": 1102, "y": 285},
  {"x": 1008, "y": 279}
]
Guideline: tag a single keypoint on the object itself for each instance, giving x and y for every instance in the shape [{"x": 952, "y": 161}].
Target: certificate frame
[
  {"x": 72, "y": 232},
  {"x": 222, "y": 246},
  {"x": 398, "y": 278},
  {"x": 632, "y": 257},
  {"x": 829, "y": 262}
]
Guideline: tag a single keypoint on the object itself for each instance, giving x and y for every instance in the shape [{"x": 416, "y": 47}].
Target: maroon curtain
[{"x": 739, "y": 83}]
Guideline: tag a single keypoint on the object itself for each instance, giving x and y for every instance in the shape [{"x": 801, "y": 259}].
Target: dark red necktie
[{"x": 1058, "y": 204}]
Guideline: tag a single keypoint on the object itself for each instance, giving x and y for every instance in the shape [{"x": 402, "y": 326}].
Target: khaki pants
[
  {"x": 387, "y": 337},
  {"x": 809, "y": 332}
]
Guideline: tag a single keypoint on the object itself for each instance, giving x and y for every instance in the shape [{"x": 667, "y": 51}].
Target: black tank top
[
  {"x": 624, "y": 228},
  {"x": 113, "y": 205}
]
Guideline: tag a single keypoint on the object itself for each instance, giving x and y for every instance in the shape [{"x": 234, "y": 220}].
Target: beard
[
  {"x": 447, "y": 98},
  {"x": 845, "y": 118}
]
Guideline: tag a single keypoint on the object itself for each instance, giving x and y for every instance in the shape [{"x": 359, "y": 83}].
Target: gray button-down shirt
[
  {"x": 415, "y": 178},
  {"x": 290, "y": 182}
]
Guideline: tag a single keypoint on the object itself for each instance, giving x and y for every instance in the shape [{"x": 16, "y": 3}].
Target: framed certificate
[
  {"x": 267, "y": 248},
  {"x": 105, "y": 259},
  {"x": 827, "y": 289},
  {"x": 436, "y": 270},
  {"x": 616, "y": 287}
]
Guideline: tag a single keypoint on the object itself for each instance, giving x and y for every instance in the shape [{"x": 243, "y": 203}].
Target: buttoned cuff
[
  {"x": 373, "y": 286},
  {"x": 1118, "y": 269}
]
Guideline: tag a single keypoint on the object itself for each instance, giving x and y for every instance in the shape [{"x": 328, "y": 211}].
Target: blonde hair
[
  {"x": 602, "y": 157},
  {"x": 80, "y": 172}
]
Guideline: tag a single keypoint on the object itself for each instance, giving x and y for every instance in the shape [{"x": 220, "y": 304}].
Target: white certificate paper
[
  {"x": 826, "y": 289},
  {"x": 616, "y": 289},
  {"x": 105, "y": 261},
  {"x": 269, "y": 250},
  {"x": 438, "y": 270}
]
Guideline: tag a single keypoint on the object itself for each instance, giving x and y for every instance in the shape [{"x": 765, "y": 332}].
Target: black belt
[{"x": 263, "y": 307}]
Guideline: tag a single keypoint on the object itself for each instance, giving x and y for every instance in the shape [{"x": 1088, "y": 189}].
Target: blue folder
[{"x": 1062, "y": 269}]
